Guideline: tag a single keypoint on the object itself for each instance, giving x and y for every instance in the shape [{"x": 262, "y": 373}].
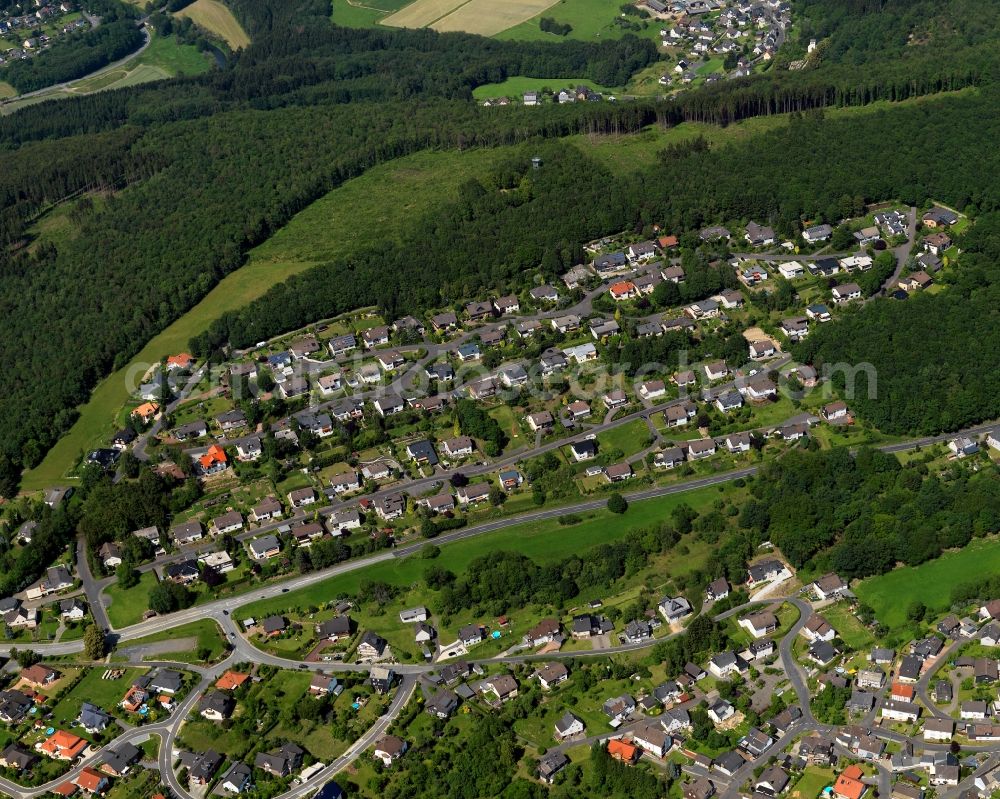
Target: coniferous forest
[{"x": 198, "y": 170}]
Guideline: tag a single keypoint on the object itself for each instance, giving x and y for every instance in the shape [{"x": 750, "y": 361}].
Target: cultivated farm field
[
  {"x": 488, "y": 18},
  {"x": 215, "y": 17}
]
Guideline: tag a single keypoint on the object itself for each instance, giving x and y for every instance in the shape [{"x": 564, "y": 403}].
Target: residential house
[
  {"x": 701, "y": 448},
  {"x": 816, "y": 234},
  {"x": 280, "y": 762},
  {"x": 817, "y": 629},
  {"x": 674, "y": 608},
  {"x": 502, "y": 686},
  {"x": 544, "y": 632},
  {"x": 766, "y": 571},
  {"x": 846, "y": 292},
  {"x": 725, "y": 664},
  {"x": 652, "y": 739},
  {"x": 551, "y": 764},
  {"x": 717, "y": 589},
  {"x": 265, "y": 510},
  {"x": 668, "y": 458},
  {"x": 618, "y": 472},
  {"x": 216, "y": 706},
  {"x": 569, "y": 726},
  {"x": 190, "y": 430},
  {"x": 237, "y": 778},
  {"x": 372, "y": 647},
  {"x": 759, "y": 235},
  {"x": 551, "y": 675},
  {"x": 265, "y": 547},
  {"x": 759, "y": 624}
]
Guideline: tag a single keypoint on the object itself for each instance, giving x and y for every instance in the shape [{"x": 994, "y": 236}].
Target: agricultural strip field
[
  {"x": 422, "y": 13},
  {"x": 889, "y": 595},
  {"x": 543, "y": 542},
  {"x": 487, "y": 17},
  {"x": 213, "y": 16}
]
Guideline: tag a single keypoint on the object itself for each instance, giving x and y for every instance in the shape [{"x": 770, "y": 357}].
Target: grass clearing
[
  {"x": 6, "y": 90},
  {"x": 931, "y": 583},
  {"x": 543, "y": 542},
  {"x": 517, "y": 85},
  {"x": 214, "y": 17}
]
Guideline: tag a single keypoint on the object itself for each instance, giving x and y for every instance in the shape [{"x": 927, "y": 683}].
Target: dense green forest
[
  {"x": 203, "y": 168},
  {"x": 861, "y": 515},
  {"x": 933, "y": 356}
]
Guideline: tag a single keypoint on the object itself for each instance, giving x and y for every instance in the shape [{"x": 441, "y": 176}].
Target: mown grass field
[
  {"x": 6, "y": 90},
  {"x": 543, "y": 542},
  {"x": 216, "y": 18},
  {"x": 591, "y": 20},
  {"x": 813, "y": 781},
  {"x": 128, "y": 605},
  {"x": 931, "y": 583},
  {"x": 206, "y": 631}
]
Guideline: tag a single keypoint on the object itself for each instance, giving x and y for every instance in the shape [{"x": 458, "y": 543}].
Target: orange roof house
[
  {"x": 66, "y": 789},
  {"x": 623, "y": 290},
  {"x": 902, "y": 692},
  {"x": 666, "y": 242},
  {"x": 620, "y": 750},
  {"x": 146, "y": 411},
  {"x": 91, "y": 781},
  {"x": 231, "y": 680},
  {"x": 849, "y": 784},
  {"x": 133, "y": 699},
  {"x": 182, "y": 360},
  {"x": 63, "y": 745},
  {"x": 215, "y": 456}
]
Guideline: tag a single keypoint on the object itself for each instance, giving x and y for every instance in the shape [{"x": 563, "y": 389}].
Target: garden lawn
[
  {"x": 128, "y": 605},
  {"x": 207, "y": 632},
  {"x": 931, "y": 583},
  {"x": 813, "y": 781},
  {"x": 92, "y": 688},
  {"x": 628, "y": 438},
  {"x": 851, "y": 631},
  {"x": 544, "y": 542}
]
